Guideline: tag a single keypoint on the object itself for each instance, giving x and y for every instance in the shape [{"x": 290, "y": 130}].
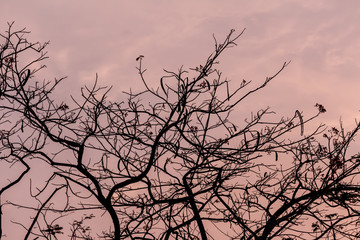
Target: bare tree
[{"x": 179, "y": 167}]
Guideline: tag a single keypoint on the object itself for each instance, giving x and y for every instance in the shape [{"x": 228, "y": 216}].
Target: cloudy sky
[{"x": 321, "y": 38}]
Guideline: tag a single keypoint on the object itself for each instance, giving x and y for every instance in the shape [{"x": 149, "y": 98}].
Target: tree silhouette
[{"x": 178, "y": 167}]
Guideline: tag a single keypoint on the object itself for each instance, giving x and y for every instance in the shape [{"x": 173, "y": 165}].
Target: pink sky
[{"x": 321, "y": 38}]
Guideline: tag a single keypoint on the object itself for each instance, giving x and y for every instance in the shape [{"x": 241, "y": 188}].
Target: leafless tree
[{"x": 178, "y": 167}]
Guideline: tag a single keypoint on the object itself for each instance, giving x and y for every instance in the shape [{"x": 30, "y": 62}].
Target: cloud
[{"x": 320, "y": 37}]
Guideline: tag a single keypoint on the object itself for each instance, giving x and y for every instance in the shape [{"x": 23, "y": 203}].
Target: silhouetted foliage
[{"x": 180, "y": 166}]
